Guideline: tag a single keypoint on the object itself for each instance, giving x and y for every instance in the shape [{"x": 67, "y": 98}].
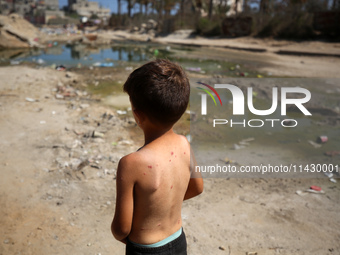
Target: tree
[
  {"x": 130, "y": 4},
  {"x": 264, "y": 6},
  {"x": 119, "y": 7},
  {"x": 210, "y": 8}
]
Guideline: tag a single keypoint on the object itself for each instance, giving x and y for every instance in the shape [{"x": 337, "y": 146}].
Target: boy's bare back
[{"x": 161, "y": 176}]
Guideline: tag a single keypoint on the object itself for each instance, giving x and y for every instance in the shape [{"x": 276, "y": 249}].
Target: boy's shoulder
[{"x": 145, "y": 155}]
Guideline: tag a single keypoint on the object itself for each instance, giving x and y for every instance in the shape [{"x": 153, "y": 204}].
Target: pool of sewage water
[{"x": 124, "y": 54}]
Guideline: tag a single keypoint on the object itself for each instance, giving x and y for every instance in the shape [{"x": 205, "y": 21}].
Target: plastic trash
[
  {"x": 121, "y": 112},
  {"x": 259, "y": 76},
  {"x": 316, "y": 188},
  {"x": 314, "y": 144},
  {"x": 194, "y": 69},
  {"x": 99, "y": 64},
  {"x": 156, "y": 52},
  {"x": 322, "y": 139},
  {"x": 40, "y": 61},
  {"x": 329, "y": 175},
  {"x": 60, "y": 68},
  {"x": 315, "y": 191}
]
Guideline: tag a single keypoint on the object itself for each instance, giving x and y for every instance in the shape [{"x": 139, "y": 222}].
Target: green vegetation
[{"x": 286, "y": 19}]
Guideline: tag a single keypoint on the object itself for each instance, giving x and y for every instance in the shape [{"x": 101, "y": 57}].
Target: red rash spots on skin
[
  {"x": 171, "y": 186},
  {"x": 172, "y": 153},
  {"x": 179, "y": 221},
  {"x": 184, "y": 153},
  {"x": 144, "y": 173},
  {"x": 142, "y": 229},
  {"x": 149, "y": 166},
  {"x": 169, "y": 160},
  {"x": 159, "y": 224}
]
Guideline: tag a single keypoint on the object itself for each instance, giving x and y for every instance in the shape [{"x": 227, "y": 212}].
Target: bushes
[
  {"x": 207, "y": 27},
  {"x": 288, "y": 26}
]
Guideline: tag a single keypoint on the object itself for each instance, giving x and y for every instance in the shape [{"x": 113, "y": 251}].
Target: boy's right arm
[{"x": 195, "y": 186}]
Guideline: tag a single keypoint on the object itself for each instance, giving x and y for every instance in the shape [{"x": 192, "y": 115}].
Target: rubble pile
[
  {"x": 95, "y": 141},
  {"x": 16, "y": 32},
  {"x": 149, "y": 28}
]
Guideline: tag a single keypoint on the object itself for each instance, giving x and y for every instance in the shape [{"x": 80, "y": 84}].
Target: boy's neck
[{"x": 152, "y": 134}]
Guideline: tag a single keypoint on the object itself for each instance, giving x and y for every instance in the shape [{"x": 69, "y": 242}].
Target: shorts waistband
[{"x": 162, "y": 242}]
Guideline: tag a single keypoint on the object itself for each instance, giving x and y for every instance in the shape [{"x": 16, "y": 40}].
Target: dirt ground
[{"x": 59, "y": 153}]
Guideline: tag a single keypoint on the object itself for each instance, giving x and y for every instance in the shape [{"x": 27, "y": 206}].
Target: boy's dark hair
[{"x": 160, "y": 89}]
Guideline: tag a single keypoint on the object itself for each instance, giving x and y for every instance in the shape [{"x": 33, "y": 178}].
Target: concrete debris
[{"x": 16, "y": 32}]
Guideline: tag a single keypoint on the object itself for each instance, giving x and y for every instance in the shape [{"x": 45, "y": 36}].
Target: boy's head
[{"x": 160, "y": 89}]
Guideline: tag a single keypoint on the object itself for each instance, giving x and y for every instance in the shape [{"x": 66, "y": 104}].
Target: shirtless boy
[{"x": 153, "y": 182}]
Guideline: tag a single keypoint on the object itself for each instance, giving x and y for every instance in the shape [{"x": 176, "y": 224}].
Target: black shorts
[{"x": 175, "y": 247}]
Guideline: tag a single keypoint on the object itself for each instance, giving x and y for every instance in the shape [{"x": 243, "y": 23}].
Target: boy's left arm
[{"x": 122, "y": 221}]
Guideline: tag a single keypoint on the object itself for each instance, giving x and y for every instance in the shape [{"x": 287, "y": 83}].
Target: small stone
[
  {"x": 221, "y": 248},
  {"x": 28, "y": 99},
  {"x": 6, "y": 241}
]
